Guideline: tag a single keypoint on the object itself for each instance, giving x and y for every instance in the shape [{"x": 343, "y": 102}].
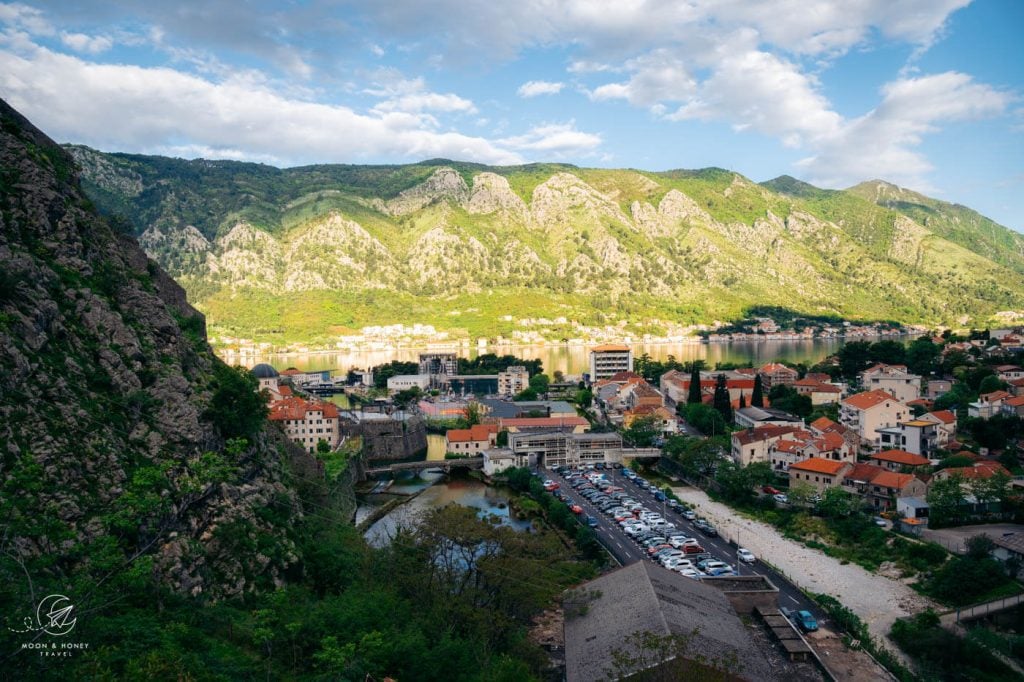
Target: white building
[
  {"x": 513, "y": 380},
  {"x": 402, "y": 382},
  {"x": 609, "y": 359},
  {"x": 894, "y": 380}
]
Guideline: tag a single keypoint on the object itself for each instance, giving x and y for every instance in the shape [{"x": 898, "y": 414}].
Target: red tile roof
[
  {"x": 822, "y": 424},
  {"x": 945, "y": 416},
  {"x": 761, "y": 433},
  {"x": 891, "y": 479},
  {"x": 293, "y": 408},
  {"x": 994, "y": 395},
  {"x": 540, "y": 422},
  {"x": 790, "y": 446},
  {"x": 979, "y": 470},
  {"x": 777, "y": 367},
  {"x": 863, "y": 472},
  {"x": 1015, "y": 402},
  {"x": 475, "y": 433},
  {"x": 608, "y": 347},
  {"x": 817, "y": 465},
  {"x": 865, "y": 401},
  {"x": 901, "y": 457}
]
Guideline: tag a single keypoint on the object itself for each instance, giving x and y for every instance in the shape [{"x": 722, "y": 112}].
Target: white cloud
[
  {"x": 658, "y": 76},
  {"x": 535, "y": 88},
  {"x": 28, "y": 19},
  {"x": 881, "y": 144},
  {"x": 411, "y": 95},
  {"x": 554, "y": 140},
  {"x": 120, "y": 107},
  {"x": 80, "y": 42},
  {"x": 760, "y": 91}
]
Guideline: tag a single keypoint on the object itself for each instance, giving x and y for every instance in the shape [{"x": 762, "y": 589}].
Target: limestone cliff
[{"x": 116, "y": 422}]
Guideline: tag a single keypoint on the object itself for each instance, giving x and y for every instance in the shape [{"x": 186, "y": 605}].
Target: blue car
[
  {"x": 660, "y": 496},
  {"x": 806, "y": 621}
]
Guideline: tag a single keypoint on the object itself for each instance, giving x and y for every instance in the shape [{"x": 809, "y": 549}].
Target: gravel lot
[{"x": 879, "y": 601}]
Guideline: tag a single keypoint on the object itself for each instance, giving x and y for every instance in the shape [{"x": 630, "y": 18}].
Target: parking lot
[{"x": 626, "y": 550}]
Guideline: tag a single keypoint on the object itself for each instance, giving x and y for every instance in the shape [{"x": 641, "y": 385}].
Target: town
[{"x": 899, "y": 458}]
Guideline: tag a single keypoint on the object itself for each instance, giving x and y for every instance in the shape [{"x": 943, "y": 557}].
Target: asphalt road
[{"x": 625, "y": 551}]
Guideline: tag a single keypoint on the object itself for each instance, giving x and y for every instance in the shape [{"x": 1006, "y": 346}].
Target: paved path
[
  {"x": 879, "y": 601},
  {"x": 980, "y": 610}
]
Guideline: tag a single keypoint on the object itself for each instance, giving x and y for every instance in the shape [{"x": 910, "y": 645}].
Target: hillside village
[{"x": 914, "y": 438}]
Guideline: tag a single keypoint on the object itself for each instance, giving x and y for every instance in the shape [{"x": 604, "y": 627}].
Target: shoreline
[{"x": 499, "y": 348}]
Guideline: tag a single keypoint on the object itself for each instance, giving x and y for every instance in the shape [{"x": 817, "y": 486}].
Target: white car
[
  {"x": 691, "y": 573},
  {"x": 745, "y": 555},
  {"x": 679, "y": 563},
  {"x": 670, "y": 557},
  {"x": 635, "y": 529}
]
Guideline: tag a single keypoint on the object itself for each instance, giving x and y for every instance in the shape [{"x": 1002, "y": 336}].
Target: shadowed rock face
[{"x": 103, "y": 406}]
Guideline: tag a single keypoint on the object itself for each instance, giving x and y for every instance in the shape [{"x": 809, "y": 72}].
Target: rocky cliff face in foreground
[
  {"x": 113, "y": 445},
  {"x": 687, "y": 246}
]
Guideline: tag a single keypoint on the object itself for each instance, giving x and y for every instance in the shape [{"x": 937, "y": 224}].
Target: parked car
[
  {"x": 691, "y": 573},
  {"x": 879, "y": 521},
  {"x": 770, "y": 490},
  {"x": 781, "y": 498},
  {"x": 592, "y": 522},
  {"x": 693, "y": 549},
  {"x": 660, "y": 496},
  {"x": 745, "y": 555},
  {"x": 575, "y": 509},
  {"x": 689, "y": 514},
  {"x": 805, "y": 621},
  {"x": 709, "y": 530},
  {"x": 720, "y": 572}
]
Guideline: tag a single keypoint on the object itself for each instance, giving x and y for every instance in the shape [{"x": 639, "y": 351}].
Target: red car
[
  {"x": 770, "y": 490},
  {"x": 576, "y": 509},
  {"x": 693, "y": 549}
]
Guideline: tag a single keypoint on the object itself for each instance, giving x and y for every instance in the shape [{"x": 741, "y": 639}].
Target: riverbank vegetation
[{"x": 451, "y": 598}]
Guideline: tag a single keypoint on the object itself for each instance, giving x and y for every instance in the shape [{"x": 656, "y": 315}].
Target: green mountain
[
  {"x": 307, "y": 254},
  {"x": 168, "y": 530}
]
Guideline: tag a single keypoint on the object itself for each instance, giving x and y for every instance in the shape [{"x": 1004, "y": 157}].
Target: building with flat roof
[
  {"x": 513, "y": 381},
  {"x": 613, "y": 612},
  {"x": 609, "y": 359},
  {"x": 558, "y": 448}
]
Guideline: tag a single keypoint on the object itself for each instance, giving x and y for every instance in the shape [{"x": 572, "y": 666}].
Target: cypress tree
[
  {"x": 722, "y": 402},
  {"x": 694, "y": 397},
  {"x": 743, "y": 400},
  {"x": 757, "y": 400}
]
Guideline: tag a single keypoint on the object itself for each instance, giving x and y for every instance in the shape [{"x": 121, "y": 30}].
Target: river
[
  {"x": 467, "y": 492},
  {"x": 570, "y": 360}
]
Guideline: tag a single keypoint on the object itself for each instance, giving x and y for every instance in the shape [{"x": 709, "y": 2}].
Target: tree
[
  {"x": 694, "y": 397},
  {"x": 853, "y": 357},
  {"x": 584, "y": 398},
  {"x": 406, "y": 396},
  {"x": 757, "y": 399},
  {"x": 837, "y": 503},
  {"x": 991, "y": 489},
  {"x": 474, "y": 413},
  {"x": 641, "y": 432},
  {"x": 743, "y": 400},
  {"x": 539, "y": 383},
  {"x": 236, "y": 407},
  {"x": 801, "y": 493},
  {"x": 922, "y": 356},
  {"x": 527, "y": 395},
  {"x": 787, "y": 399},
  {"x": 704, "y": 418},
  {"x": 990, "y": 384},
  {"x": 322, "y": 447},
  {"x": 697, "y": 457},
  {"x": 722, "y": 402},
  {"x": 944, "y": 498},
  {"x": 559, "y": 376}
]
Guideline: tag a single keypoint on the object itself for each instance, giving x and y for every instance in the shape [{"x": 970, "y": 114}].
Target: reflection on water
[
  {"x": 436, "y": 447},
  {"x": 466, "y": 492},
  {"x": 566, "y": 359}
]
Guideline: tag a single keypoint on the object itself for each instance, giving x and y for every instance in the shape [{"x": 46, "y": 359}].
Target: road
[{"x": 625, "y": 551}]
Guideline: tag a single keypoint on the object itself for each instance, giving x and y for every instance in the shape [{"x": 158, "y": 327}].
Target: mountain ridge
[{"x": 649, "y": 249}]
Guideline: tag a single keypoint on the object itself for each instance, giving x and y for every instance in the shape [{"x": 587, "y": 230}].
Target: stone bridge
[{"x": 445, "y": 464}]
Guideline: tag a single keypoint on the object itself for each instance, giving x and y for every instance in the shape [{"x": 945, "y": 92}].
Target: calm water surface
[
  {"x": 566, "y": 359},
  {"x": 465, "y": 492}
]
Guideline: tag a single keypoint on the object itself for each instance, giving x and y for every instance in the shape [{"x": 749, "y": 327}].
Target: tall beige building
[
  {"x": 609, "y": 359},
  {"x": 513, "y": 380}
]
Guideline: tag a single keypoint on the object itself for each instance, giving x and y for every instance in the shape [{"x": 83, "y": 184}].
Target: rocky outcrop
[
  {"x": 445, "y": 183},
  {"x": 492, "y": 194},
  {"x": 108, "y": 440}
]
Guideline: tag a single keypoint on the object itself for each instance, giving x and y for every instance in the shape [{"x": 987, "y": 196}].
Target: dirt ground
[{"x": 848, "y": 665}]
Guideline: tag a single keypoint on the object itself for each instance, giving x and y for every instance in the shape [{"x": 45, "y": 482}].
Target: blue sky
[{"x": 928, "y": 94}]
